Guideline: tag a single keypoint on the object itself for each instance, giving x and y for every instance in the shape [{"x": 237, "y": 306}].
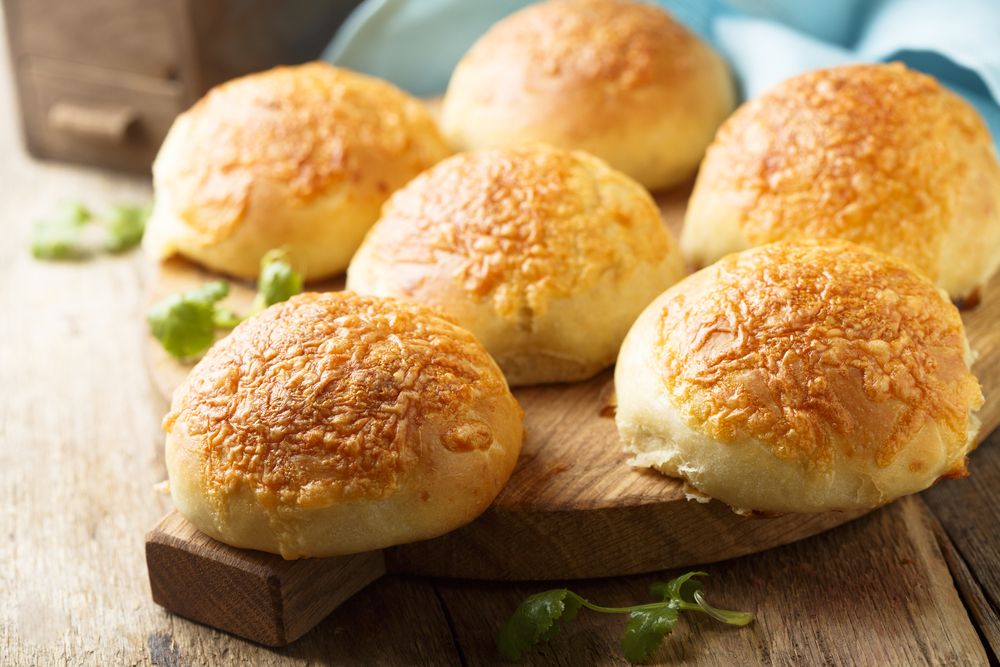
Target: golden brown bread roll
[
  {"x": 300, "y": 158},
  {"x": 546, "y": 255},
  {"x": 621, "y": 80},
  {"x": 800, "y": 377},
  {"x": 876, "y": 154},
  {"x": 334, "y": 423}
]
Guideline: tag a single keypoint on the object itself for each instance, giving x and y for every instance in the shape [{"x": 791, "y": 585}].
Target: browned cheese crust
[
  {"x": 325, "y": 398},
  {"x": 875, "y": 154},
  {"x": 619, "y": 79},
  {"x": 788, "y": 343},
  {"x": 530, "y": 225},
  {"x": 309, "y": 127},
  {"x": 570, "y": 47}
]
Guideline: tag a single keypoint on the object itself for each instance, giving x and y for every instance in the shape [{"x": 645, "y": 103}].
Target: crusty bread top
[
  {"x": 614, "y": 43},
  {"x": 874, "y": 154},
  {"x": 308, "y": 127},
  {"x": 334, "y": 396},
  {"x": 812, "y": 348},
  {"x": 530, "y": 224}
]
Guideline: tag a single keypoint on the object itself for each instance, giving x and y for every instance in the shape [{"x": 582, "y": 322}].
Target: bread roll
[
  {"x": 800, "y": 377},
  {"x": 334, "y": 423},
  {"x": 300, "y": 158},
  {"x": 876, "y": 154},
  {"x": 546, "y": 255},
  {"x": 619, "y": 79}
]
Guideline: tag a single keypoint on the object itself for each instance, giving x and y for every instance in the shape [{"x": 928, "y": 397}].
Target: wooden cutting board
[{"x": 573, "y": 508}]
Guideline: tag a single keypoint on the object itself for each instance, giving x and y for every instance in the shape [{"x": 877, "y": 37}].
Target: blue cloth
[{"x": 416, "y": 43}]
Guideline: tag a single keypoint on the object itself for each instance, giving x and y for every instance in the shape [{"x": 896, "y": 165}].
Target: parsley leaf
[
  {"x": 535, "y": 620},
  {"x": 185, "y": 323},
  {"x": 645, "y": 630},
  {"x": 539, "y": 617},
  {"x": 723, "y": 615},
  {"x": 683, "y": 587},
  {"x": 60, "y": 236},
  {"x": 277, "y": 282},
  {"x": 125, "y": 224}
]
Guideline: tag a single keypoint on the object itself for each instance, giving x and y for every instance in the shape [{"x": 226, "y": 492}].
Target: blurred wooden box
[{"x": 100, "y": 81}]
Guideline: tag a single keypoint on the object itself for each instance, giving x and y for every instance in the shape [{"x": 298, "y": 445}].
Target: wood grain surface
[
  {"x": 80, "y": 452},
  {"x": 249, "y": 593}
]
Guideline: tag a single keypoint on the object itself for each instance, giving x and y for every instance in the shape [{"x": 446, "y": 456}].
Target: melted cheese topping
[
  {"x": 324, "y": 397},
  {"x": 866, "y": 153},
  {"x": 818, "y": 351},
  {"x": 620, "y": 45},
  {"x": 527, "y": 225},
  {"x": 308, "y": 127}
]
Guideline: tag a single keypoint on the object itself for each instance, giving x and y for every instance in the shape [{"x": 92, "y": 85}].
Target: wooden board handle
[{"x": 255, "y": 595}]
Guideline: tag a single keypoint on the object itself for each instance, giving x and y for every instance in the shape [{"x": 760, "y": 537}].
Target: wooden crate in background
[{"x": 100, "y": 81}]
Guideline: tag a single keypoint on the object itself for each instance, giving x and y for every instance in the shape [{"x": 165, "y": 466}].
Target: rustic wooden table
[{"x": 914, "y": 583}]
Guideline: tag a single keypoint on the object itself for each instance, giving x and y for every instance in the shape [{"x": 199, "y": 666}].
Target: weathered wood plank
[
  {"x": 873, "y": 592},
  {"x": 255, "y": 595},
  {"x": 970, "y": 516}
]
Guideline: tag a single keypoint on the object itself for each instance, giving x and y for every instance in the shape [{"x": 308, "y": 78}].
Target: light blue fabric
[{"x": 416, "y": 43}]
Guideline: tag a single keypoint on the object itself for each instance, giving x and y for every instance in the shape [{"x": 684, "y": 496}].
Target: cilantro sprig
[
  {"x": 186, "y": 323},
  {"x": 74, "y": 232},
  {"x": 277, "y": 282},
  {"x": 60, "y": 236},
  {"x": 124, "y": 226},
  {"x": 540, "y": 617}
]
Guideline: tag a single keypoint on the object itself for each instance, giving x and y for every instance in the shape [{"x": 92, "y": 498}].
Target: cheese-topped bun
[
  {"x": 800, "y": 377},
  {"x": 622, "y": 80},
  {"x": 335, "y": 423},
  {"x": 300, "y": 158},
  {"x": 546, "y": 255},
  {"x": 876, "y": 154}
]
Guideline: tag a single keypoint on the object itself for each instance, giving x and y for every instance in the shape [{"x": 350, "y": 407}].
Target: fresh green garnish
[
  {"x": 277, "y": 282},
  {"x": 186, "y": 323},
  {"x": 539, "y": 617},
  {"x": 60, "y": 236},
  {"x": 125, "y": 224}
]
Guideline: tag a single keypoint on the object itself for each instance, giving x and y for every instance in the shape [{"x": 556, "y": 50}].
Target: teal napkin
[{"x": 416, "y": 43}]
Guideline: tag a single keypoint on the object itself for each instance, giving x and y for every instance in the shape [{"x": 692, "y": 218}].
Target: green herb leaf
[
  {"x": 536, "y": 619},
  {"x": 729, "y": 617},
  {"x": 185, "y": 323},
  {"x": 225, "y": 318},
  {"x": 540, "y": 616},
  {"x": 125, "y": 225},
  {"x": 645, "y": 631},
  {"x": 210, "y": 292},
  {"x": 660, "y": 589},
  {"x": 277, "y": 282},
  {"x": 571, "y": 607},
  {"x": 684, "y": 587},
  {"x": 60, "y": 236}
]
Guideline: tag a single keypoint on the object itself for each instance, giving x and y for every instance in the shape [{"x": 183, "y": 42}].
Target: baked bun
[
  {"x": 876, "y": 154},
  {"x": 334, "y": 423},
  {"x": 300, "y": 158},
  {"x": 800, "y": 377},
  {"x": 621, "y": 80},
  {"x": 546, "y": 255}
]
